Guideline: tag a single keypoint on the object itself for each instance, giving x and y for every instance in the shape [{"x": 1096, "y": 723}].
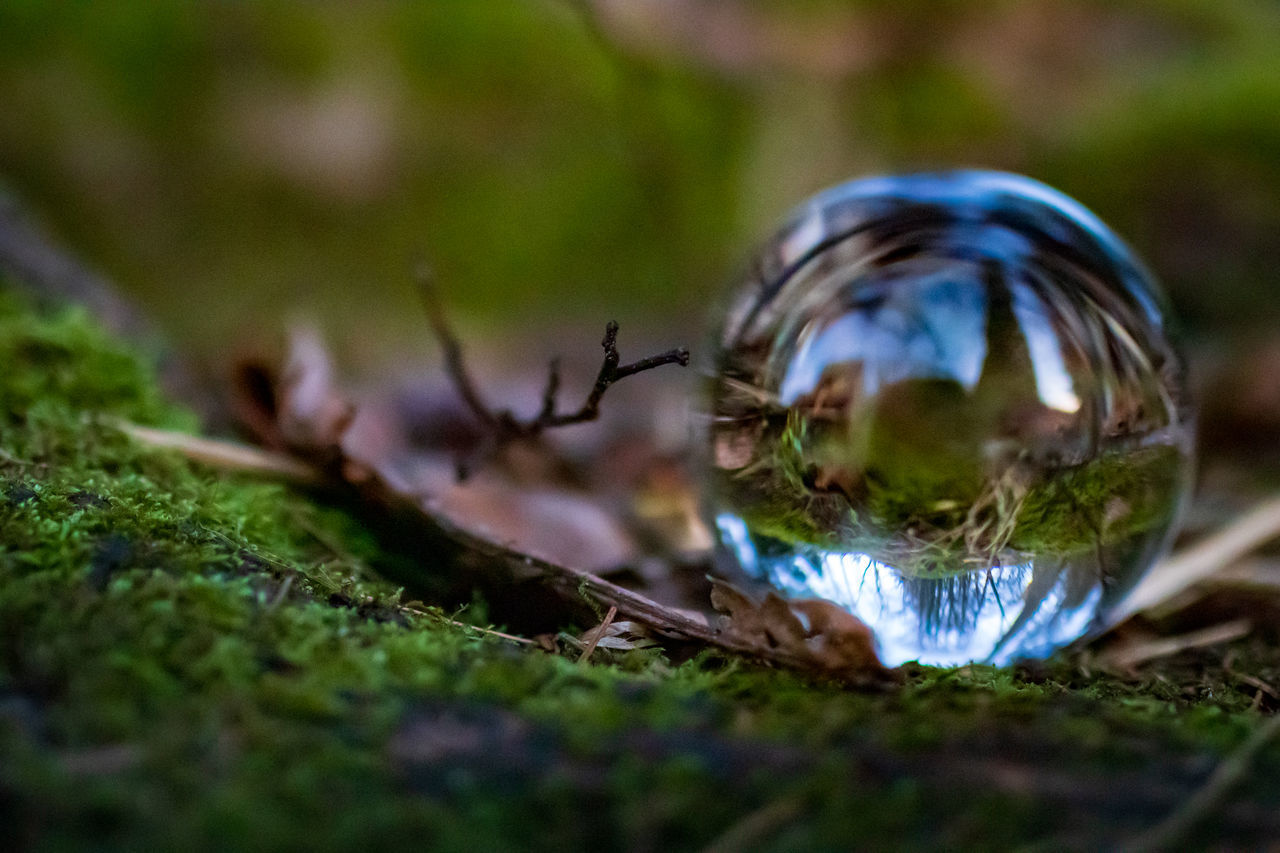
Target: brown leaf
[
  {"x": 738, "y": 608},
  {"x": 808, "y": 633},
  {"x": 664, "y": 504},
  {"x": 841, "y": 638},
  {"x": 626, "y": 636},
  {"x": 781, "y": 626},
  {"x": 312, "y": 413}
]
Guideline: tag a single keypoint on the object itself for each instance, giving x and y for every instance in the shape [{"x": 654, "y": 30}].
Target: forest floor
[{"x": 198, "y": 660}]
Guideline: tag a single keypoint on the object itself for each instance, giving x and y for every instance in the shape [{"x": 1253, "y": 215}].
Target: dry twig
[
  {"x": 834, "y": 642},
  {"x": 504, "y": 425},
  {"x": 814, "y": 636}
]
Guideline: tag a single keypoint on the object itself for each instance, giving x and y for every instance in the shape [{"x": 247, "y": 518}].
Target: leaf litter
[{"x": 516, "y": 508}]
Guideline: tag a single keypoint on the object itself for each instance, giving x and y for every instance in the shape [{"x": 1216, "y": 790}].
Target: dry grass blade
[
  {"x": 488, "y": 632},
  {"x": 747, "y": 833},
  {"x": 1200, "y": 561},
  {"x": 1128, "y": 656},
  {"x": 593, "y": 636},
  {"x": 226, "y": 455},
  {"x": 9, "y": 459}
]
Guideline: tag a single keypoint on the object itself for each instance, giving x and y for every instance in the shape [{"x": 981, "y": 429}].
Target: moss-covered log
[{"x": 194, "y": 660}]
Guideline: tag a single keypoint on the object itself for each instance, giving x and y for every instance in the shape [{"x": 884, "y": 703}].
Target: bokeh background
[{"x": 561, "y": 162}]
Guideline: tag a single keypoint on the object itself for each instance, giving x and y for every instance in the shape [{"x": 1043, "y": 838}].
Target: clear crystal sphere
[{"x": 947, "y": 402}]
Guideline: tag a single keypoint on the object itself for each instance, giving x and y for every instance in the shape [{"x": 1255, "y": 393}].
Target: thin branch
[
  {"x": 453, "y": 361},
  {"x": 505, "y": 425},
  {"x": 610, "y": 372},
  {"x": 549, "y": 394},
  {"x": 582, "y": 587}
]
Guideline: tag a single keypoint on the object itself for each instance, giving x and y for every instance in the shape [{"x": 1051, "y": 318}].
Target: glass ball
[{"x": 948, "y": 403}]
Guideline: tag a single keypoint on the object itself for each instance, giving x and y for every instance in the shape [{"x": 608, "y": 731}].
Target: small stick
[
  {"x": 597, "y": 633},
  {"x": 504, "y": 424},
  {"x": 453, "y": 361},
  {"x": 549, "y": 393},
  {"x": 610, "y": 372}
]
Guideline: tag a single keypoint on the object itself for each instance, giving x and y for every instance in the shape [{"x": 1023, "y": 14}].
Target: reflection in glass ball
[{"x": 947, "y": 402}]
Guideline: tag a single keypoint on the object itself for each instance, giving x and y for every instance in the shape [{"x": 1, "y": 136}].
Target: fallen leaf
[{"x": 807, "y": 633}]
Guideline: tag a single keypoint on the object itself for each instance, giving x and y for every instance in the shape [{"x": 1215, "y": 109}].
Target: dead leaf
[
  {"x": 311, "y": 412},
  {"x": 808, "y": 633},
  {"x": 840, "y": 637},
  {"x": 627, "y": 636}
]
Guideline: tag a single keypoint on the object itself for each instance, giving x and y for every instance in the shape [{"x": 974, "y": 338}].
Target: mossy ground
[{"x": 194, "y": 660}]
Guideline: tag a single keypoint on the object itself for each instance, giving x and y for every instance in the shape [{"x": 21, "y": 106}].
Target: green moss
[
  {"x": 1112, "y": 497},
  {"x": 184, "y": 663}
]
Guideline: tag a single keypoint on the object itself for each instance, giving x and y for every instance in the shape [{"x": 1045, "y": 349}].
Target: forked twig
[{"x": 505, "y": 425}]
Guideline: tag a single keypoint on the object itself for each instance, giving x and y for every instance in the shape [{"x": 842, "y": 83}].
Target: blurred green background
[{"x": 561, "y": 162}]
